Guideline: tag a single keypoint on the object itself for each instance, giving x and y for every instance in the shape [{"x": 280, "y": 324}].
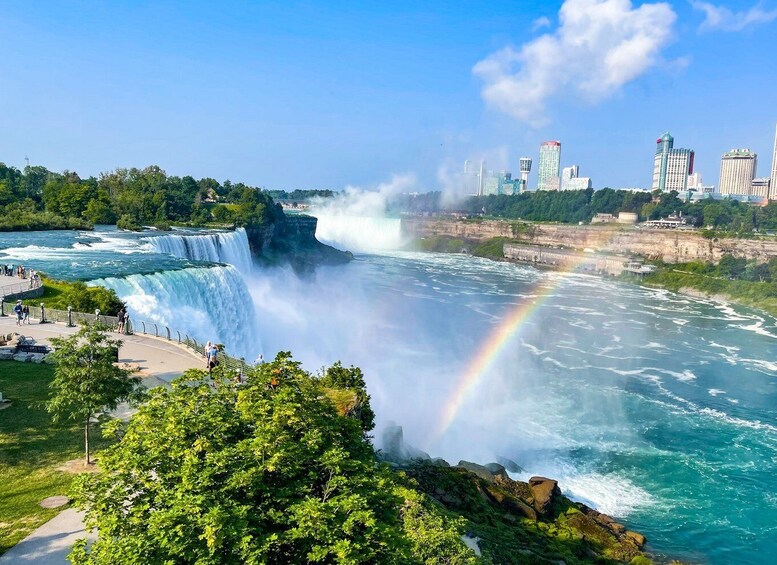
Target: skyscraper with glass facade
[
  {"x": 548, "y": 170},
  {"x": 671, "y": 166}
]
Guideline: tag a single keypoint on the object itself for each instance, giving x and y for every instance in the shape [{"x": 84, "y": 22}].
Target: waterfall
[
  {"x": 359, "y": 233},
  {"x": 221, "y": 247},
  {"x": 208, "y": 303}
]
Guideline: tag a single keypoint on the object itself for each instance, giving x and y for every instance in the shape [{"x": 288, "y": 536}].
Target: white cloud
[
  {"x": 540, "y": 23},
  {"x": 722, "y": 18},
  {"x": 599, "y": 46}
]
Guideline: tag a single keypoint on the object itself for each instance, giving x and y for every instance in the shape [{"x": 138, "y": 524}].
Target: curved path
[{"x": 160, "y": 361}]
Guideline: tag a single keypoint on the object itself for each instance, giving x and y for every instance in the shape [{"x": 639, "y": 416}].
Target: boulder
[
  {"x": 21, "y": 357},
  {"x": 639, "y": 539},
  {"x": 545, "y": 493},
  {"x": 510, "y": 465},
  {"x": 510, "y": 503},
  {"x": 440, "y": 462},
  {"x": 478, "y": 470},
  {"x": 396, "y": 450},
  {"x": 497, "y": 470}
]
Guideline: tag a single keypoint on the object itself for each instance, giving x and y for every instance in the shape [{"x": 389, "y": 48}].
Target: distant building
[
  {"x": 760, "y": 187},
  {"x": 695, "y": 184},
  {"x": 524, "y": 164},
  {"x": 550, "y": 161},
  {"x": 627, "y": 217},
  {"x": 603, "y": 219},
  {"x": 501, "y": 182},
  {"x": 773, "y": 184},
  {"x": 737, "y": 171},
  {"x": 571, "y": 179},
  {"x": 552, "y": 183},
  {"x": 671, "y": 167}
]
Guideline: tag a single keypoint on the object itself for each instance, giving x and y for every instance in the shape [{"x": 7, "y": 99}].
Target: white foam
[
  {"x": 611, "y": 494},
  {"x": 716, "y": 392}
]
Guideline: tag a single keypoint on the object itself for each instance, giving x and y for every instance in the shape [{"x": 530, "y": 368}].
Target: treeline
[
  {"x": 573, "y": 206},
  {"x": 582, "y": 205},
  {"x": 299, "y": 194},
  {"x": 37, "y": 198}
]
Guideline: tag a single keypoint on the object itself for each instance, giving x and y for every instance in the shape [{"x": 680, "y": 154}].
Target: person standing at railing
[{"x": 121, "y": 317}]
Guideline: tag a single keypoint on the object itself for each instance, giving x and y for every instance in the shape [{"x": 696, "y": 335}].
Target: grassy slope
[
  {"x": 754, "y": 294},
  {"x": 31, "y": 448}
]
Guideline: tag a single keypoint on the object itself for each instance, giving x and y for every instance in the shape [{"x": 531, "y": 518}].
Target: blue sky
[{"x": 329, "y": 94}]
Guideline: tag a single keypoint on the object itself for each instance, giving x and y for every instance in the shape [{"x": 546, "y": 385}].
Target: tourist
[
  {"x": 19, "y": 310},
  {"x": 26, "y": 315},
  {"x": 206, "y": 354},
  {"x": 259, "y": 360},
  {"x": 213, "y": 358},
  {"x": 120, "y": 317}
]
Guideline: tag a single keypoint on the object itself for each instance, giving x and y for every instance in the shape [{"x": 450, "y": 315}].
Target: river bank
[{"x": 612, "y": 244}]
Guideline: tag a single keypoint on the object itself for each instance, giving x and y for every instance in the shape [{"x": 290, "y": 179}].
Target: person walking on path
[
  {"x": 26, "y": 315},
  {"x": 19, "y": 310}
]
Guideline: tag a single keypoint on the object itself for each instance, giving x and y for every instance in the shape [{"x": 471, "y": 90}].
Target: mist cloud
[{"x": 599, "y": 46}]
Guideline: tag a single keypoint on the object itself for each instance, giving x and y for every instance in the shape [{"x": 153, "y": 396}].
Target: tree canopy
[
  {"x": 269, "y": 471},
  {"x": 37, "y": 198}
]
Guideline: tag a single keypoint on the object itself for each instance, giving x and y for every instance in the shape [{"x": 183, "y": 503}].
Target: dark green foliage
[
  {"x": 491, "y": 248},
  {"x": 39, "y": 199},
  {"x": 264, "y": 472},
  {"x": 127, "y": 222}
]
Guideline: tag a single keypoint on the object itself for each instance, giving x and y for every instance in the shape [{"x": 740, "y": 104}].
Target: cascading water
[
  {"x": 359, "y": 233},
  {"x": 209, "y": 303},
  {"x": 222, "y": 247}
]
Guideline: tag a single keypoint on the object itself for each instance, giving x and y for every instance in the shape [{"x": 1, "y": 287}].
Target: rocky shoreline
[{"x": 514, "y": 521}]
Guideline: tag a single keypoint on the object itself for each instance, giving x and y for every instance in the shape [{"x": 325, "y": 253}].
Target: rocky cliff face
[
  {"x": 670, "y": 246},
  {"x": 293, "y": 241}
]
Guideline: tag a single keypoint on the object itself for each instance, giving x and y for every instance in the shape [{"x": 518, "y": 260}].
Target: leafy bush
[{"x": 127, "y": 222}]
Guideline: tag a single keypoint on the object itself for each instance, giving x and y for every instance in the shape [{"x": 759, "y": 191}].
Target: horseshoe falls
[{"x": 222, "y": 247}]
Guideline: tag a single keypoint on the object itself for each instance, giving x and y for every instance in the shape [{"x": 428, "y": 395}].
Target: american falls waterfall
[
  {"x": 208, "y": 303},
  {"x": 222, "y": 247}
]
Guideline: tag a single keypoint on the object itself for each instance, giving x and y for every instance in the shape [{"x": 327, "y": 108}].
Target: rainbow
[{"x": 491, "y": 348}]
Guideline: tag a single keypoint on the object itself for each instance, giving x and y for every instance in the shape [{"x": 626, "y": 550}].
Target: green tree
[
  {"x": 263, "y": 472},
  {"x": 86, "y": 382},
  {"x": 352, "y": 379}
]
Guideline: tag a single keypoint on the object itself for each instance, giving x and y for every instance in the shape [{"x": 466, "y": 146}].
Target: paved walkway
[{"x": 160, "y": 361}]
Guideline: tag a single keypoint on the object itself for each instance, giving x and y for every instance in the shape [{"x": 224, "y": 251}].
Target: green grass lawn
[{"x": 31, "y": 448}]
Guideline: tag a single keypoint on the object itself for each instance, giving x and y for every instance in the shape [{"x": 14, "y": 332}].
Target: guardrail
[
  {"x": 24, "y": 285},
  {"x": 72, "y": 318}
]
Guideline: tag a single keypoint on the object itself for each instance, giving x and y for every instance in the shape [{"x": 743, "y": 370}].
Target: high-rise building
[
  {"x": 773, "y": 187},
  {"x": 550, "y": 161},
  {"x": 737, "y": 171},
  {"x": 671, "y": 166}
]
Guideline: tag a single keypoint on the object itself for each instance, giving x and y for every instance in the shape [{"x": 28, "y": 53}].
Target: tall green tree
[
  {"x": 263, "y": 472},
  {"x": 86, "y": 382}
]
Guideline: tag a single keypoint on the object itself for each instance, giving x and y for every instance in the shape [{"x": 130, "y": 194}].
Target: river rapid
[{"x": 655, "y": 408}]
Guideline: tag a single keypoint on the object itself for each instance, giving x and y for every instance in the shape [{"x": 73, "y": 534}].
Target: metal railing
[
  {"x": 24, "y": 285},
  {"x": 72, "y": 318}
]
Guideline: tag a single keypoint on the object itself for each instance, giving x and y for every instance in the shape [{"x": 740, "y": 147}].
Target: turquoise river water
[{"x": 655, "y": 408}]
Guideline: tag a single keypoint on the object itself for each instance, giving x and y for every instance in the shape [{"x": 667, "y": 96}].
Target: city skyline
[{"x": 329, "y": 95}]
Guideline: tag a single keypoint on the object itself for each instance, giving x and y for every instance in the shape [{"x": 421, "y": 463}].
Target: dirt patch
[{"x": 78, "y": 466}]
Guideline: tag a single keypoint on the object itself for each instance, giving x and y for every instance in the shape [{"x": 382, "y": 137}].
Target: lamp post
[
  {"x": 70, "y": 316},
  {"x": 42, "y": 313},
  {"x": 97, "y": 315}
]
